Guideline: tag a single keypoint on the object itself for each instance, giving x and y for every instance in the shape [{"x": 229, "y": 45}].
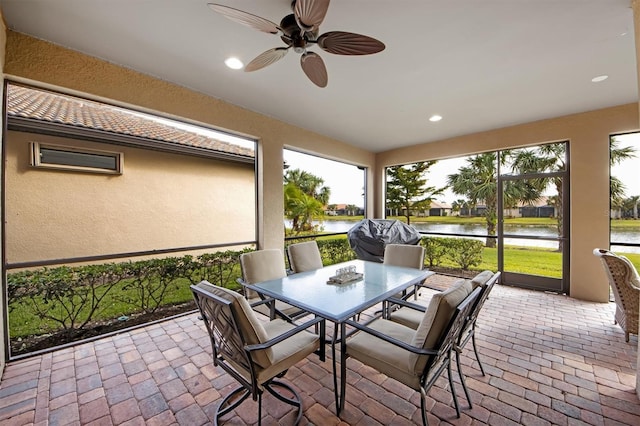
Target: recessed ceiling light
[
  {"x": 599, "y": 78},
  {"x": 435, "y": 117},
  {"x": 234, "y": 63}
]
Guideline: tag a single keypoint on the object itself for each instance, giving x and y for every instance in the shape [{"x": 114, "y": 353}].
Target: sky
[
  {"x": 346, "y": 181},
  {"x": 628, "y": 171}
]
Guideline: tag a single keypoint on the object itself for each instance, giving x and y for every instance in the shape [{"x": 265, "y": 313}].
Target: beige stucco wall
[
  {"x": 45, "y": 64},
  {"x": 588, "y": 135},
  {"x": 160, "y": 201}
]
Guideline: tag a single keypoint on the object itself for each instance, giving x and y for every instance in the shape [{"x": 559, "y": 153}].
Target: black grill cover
[{"x": 369, "y": 237}]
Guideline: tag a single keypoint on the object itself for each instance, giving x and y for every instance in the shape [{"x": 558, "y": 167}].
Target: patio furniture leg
[
  {"x": 453, "y": 389},
  {"x": 475, "y": 348},
  {"x": 295, "y": 401},
  {"x": 335, "y": 372},
  {"x": 464, "y": 384},
  {"x": 343, "y": 367},
  {"x": 423, "y": 406}
]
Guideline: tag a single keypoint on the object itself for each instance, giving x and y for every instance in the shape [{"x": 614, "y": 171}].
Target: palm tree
[
  {"x": 456, "y": 206},
  {"x": 477, "y": 181},
  {"x": 309, "y": 184},
  {"x": 616, "y": 156},
  {"x": 304, "y": 198},
  {"x": 552, "y": 158},
  {"x": 634, "y": 201},
  {"x": 300, "y": 208},
  {"x": 351, "y": 209}
]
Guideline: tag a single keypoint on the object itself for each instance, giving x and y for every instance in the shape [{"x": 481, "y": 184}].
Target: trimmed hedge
[
  {"x": 70, "y": 298},
  {"x": 463, "y": 252}
]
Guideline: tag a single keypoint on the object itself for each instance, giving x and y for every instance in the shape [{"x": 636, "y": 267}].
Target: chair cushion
[
  {"x": 408, "y": 256},
  {"x": 251, "y": 328},
  {"x": 383, "y": 356},
  {"x": 435, "y": 320},
  {"x": 261, "y": 265},
  {"x": 410, "y": 317},
  {"x": 634, "y": 278},
  {"x": 304, "y": 256},
  {"x": 288, "y": 352},
  {"x": 481, "y": 279}
]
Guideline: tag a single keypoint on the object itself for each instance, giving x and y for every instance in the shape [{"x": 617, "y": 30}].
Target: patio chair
[
  {"x": 413, "y": 357},
  {"x": 625, "y": 285},
  {"x": 253, "y": 352},
  {"x": 410, "y": 315},
  {"x": 265, "y": 265},
  {"x": 304, "y": 256},
  {"x": 407, "y": 255}
]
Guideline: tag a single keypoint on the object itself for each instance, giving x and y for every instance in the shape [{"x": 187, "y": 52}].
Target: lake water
[{"x": 478, "y": 229}]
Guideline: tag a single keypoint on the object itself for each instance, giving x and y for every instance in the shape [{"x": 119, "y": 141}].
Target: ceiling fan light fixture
[
  {"x": 299, "y": 30},
  {"x": 599, "y": 78},
  {"x": 435, "y": 117},
  {"x": 233, "y": 63}
]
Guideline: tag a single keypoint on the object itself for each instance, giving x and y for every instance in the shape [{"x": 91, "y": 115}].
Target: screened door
[{"x": 533, "y": 244}]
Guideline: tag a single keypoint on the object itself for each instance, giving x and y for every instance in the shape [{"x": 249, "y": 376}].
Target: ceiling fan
[{"x": 300, "y": 31}]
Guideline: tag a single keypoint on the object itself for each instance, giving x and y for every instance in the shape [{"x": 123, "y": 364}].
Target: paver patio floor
[{"x": 549, "y": 359}]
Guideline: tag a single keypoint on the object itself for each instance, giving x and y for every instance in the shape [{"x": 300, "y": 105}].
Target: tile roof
[{"x": 51, "y": 107}]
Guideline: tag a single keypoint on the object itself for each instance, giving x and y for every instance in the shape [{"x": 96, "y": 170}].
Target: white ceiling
[{"x": 480, "y": 64}]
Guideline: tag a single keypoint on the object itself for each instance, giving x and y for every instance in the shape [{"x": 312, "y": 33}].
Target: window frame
[{"x": 36, "y": 158}]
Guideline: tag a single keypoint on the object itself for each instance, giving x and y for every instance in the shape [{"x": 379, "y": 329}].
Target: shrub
[
  {"x": 434, "y": 250},
  {"x": 335, "y": 251},
  {"x": 464, "y": 252},
  {"x": 67, "y": 296}
]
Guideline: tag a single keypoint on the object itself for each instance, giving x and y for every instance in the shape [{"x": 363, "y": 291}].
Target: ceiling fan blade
[
  {"x": 310, "y": 13},
  {"x": 266, "y": 58},
  {"x": 313, "y": 66},
  {"x": 245, "y": 18},
  {"x": 344, "y": 43}
]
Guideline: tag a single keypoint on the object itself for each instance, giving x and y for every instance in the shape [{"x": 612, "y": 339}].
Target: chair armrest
[
  {"x": 284, "y": 336},
  {"x": 396, "y": 342},
  {"x": 262, "y": 302},
  {"x": 404, "y": 303}
]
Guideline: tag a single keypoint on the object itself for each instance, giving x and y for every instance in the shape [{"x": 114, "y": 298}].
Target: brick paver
[{"x": 549, "y": 359}]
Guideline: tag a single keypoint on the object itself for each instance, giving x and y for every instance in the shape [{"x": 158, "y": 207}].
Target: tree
[
  {"x": 616, "y": 156},
  {"x": 406, "y": 190},
  {"x": 477, "y": 181},
  {"x": 351, "y": 209},
  {"x": 309, "y": 184},
  {"x": 457, "y": 206},
  {"x": 632, "y": 203},
  {"x": 304, "y": 198},
  {"x": 552, "y": 158}
]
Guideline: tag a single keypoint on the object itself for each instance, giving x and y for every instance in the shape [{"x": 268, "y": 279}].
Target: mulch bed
[{"x": 29, "y": 344}]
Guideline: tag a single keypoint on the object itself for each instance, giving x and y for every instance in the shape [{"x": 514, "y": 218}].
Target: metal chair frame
[
  {"x": 229, "y": 346},
  {"x": 440, "y": 355}
]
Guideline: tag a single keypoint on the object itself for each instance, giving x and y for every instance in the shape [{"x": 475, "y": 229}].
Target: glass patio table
[{"x": 312, "y": 292}]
